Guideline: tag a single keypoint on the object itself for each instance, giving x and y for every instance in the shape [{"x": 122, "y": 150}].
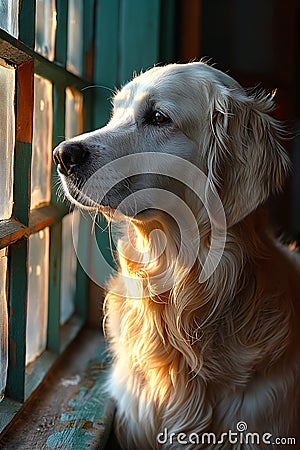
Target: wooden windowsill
[{"x": 69, "y": 410}]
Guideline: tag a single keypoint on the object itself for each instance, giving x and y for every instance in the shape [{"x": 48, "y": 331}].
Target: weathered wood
[
  {"x": 10, "y": 232},
  {"x": 22, "y": 156},
  {"x": 27, "y": 22},
  {"x": 61, "y": 32},
  {"x": 69, "y": 410},
  {"x": 58, "y": 135},
  {"x": 17, "y": 319},
  {"x": 10, "y": 49},
  {"x": 69, "y": 331},
  {"x": 38, "y": 369},
  {"x": 9, "y": 409},
  {"x": 84, "y": 238},
  {"x": 16, "y": 52},
  {"x": 53, "y": 326},
  {"x": 25, "y": 102},
  {"x": 45, "y": 216}
]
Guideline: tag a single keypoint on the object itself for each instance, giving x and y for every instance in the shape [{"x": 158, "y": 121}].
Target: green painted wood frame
[{"x": 14, "y": 233}]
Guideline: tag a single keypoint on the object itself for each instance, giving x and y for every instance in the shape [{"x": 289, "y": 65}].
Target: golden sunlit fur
[{"x": 201, "y": 357}]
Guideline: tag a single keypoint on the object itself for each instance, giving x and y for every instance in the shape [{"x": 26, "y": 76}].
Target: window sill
[{"x": 69, "y": 409}]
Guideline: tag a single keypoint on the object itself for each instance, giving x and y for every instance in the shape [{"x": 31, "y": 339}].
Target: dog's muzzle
[{"x": 69, "y": 156}]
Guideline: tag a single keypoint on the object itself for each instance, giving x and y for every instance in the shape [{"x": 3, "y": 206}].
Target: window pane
[
  {"x": 42, "y": 142},
  {"x": 73, "y": 125},
  {"x": 75, "y": 36},
  {"x": 68, "y": 267},
  {"x": 7, "y": 140},
  {"x": 45, "y": 20},
  {"x": 37, "y": 305},
  {"x": 3, "y": 323},
  {"x": 9, "y": 12}
]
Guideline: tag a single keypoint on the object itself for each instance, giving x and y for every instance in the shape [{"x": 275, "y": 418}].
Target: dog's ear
[{"x": 246, "y": 161}]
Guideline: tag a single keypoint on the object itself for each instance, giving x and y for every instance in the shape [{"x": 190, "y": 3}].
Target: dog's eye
[{"x": 159, "y": 118}]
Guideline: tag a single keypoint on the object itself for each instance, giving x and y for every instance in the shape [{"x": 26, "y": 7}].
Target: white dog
[{"x": 205, "y": 356}]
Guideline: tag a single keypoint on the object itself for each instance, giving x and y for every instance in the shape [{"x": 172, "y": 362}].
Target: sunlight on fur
[{"x": 194, "y": 357}]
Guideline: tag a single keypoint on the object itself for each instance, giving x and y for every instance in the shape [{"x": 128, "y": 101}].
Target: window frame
[{"x": 19, "y": 53}]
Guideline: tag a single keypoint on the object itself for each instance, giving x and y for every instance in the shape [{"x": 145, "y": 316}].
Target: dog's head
[{"x": 192, "y": 112}]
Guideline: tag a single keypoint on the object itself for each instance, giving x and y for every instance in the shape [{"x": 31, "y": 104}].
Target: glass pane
[
  {"x": 45, "y": 21},
  {"x": 74, "y": 124},
  {"x": 9, "y": 13},
  {"x": 68, "y": 267},
  {"x": 42, "y": 142},
  {"x": 7, "y": 140},
  {"x": 37, "y": 305},
  {"x": 3, "y": 323},
  {"x": 75, "y": 37}
]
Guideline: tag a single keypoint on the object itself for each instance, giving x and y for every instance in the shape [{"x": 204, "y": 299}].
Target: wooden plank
[
  {"x": 86, "y": 423},
  {"x": 27, "y": 22},
  {"x": 24, "y": 128},
  {"x": 69, "y": 331},
  {"x": 11, "y": 231},
  {"x": 87, "y": 420},
  {"x": 17, "y": 319},
  {"x": 139, "y": 24},
  {"x": 81, "y": 297},
  {"x": 70, "y": 410},
  {"x": 9, "y": 408},
  {"x": 10, "y": 49},
  {"x": 53, "y": 327},
  {"x": 61, "y": 32},
  {"x": 58, "y": 135},
  {"x": 16, "y": 52},
  {"x": 57, "y": 74},
  {"x": 36, "y": 372},
  {"x": 45, "y": 216},
  {"x": 25, "y": 102},
  {"x": 22, "y": 188}
]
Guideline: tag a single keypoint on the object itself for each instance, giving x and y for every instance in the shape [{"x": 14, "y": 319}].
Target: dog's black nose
[{"x": 68, "y": 156}]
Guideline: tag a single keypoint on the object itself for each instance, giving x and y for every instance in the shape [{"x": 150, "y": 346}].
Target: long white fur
[{"x": 201, "y": 357}]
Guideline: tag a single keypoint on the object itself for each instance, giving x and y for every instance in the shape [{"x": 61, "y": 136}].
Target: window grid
[{"x": 26, "y": 224}]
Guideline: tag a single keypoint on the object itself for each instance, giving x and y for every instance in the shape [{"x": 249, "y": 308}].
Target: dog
[{"x": 205, "y": 355}]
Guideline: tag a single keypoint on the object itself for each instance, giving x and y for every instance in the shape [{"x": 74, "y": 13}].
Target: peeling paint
[
  {"x": 87, "y": 421},
  {"x": 72, "y": 381}
]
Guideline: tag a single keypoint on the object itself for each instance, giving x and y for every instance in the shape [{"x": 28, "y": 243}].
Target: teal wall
[{"x": 131, "y": 35}]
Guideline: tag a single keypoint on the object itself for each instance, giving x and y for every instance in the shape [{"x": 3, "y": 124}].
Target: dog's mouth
[{"x": 112, "y": 205}]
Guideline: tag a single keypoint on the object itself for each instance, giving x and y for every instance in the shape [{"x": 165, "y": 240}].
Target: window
[
  {"x": 41, "y": 142},
  {"x": 40, "y": 278},
  {"x": 37, "y": 298},
  {"x": 7, "y": 132}
]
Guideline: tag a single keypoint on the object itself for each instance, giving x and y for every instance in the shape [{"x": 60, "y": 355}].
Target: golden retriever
[{"x": 202, "y": 318}]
